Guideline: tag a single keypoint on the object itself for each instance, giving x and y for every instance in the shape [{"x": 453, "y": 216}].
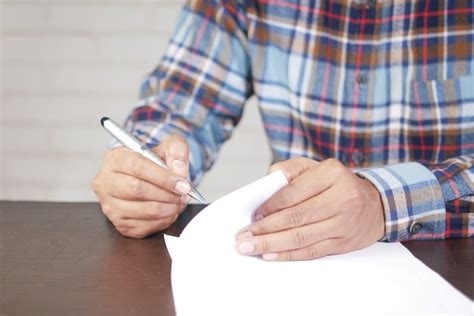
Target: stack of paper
[{"x": 209, "y": 277}]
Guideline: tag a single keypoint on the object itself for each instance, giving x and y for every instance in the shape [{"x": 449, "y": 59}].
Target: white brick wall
[{"x": 65, "y": 64}]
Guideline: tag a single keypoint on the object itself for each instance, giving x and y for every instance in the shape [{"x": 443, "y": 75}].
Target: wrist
[{"x": 376, "y": 208}]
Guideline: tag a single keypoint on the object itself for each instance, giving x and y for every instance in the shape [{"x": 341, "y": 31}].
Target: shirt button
[
  {"x": 358, "y": 157},
  {"x": 370, "y": 3},
  {"x": 362, "y": 79},
  {"x": 415, "y": 228}
]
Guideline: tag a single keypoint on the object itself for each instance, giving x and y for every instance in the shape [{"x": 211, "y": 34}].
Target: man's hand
[
  {"x": 325, "y": 209},
  {"x": 138, "y": 196}
]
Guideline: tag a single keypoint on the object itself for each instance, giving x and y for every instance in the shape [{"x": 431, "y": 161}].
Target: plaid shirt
[{"x": 385, "y": 87}]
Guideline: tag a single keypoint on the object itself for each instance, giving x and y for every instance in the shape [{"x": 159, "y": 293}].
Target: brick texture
[{"x": 65, "y": 64}]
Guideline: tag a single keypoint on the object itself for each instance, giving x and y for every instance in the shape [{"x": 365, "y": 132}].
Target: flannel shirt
[{"x": 386, "y": 87}]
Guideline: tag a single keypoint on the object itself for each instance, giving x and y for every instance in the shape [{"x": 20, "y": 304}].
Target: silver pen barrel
[{"x": 197, "y": 196}]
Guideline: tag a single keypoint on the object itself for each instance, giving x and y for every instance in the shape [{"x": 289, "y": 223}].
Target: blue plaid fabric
[{"x": 385, "y": 87}]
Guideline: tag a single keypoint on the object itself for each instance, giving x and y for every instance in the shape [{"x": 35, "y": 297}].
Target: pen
[{"x": 135, "y": 145}]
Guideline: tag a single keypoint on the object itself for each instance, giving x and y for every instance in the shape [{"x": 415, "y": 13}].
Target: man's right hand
[{"x": 138, "y": 196}]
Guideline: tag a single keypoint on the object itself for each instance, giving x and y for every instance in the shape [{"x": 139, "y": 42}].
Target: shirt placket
[{"x": 354, "y": 155}]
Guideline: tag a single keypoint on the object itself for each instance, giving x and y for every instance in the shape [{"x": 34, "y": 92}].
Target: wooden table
[{"x": 67, "y": 259}]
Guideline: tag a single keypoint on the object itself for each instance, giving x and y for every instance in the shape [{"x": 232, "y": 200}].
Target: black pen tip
[{"x": 102, "y": 120}]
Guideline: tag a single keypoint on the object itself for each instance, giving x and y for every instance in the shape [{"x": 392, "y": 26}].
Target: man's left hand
[{"x": 325, "y": 209}]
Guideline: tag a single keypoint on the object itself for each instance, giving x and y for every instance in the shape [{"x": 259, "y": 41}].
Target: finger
[
  {"x": 135, "y": 165},
  {"x": 321, "y": 249},
  {"x": 293, "y": 167},
  {"x": 141, "y": 228},
  {"x": 315, "y": 209},
  {"x": 291, "y": 239},
  {"x": 312, "y": 182},
  {"x": 142, "y": 210},
  {"x": 175, "y": 152},
  {"x": 125, "y": 187}
]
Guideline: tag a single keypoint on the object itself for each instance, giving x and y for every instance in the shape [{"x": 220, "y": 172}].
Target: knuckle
[
  {"x": 259, "y": 228},
  {"x": 177, "y": 145},
  {"x": 137, "y": 188},
  {"x": 177, "y": 138},
  {"x": 137, "y": 166},
  {"x": 113, "y": 216},
  {"x": 107, "y": 210},
  {"x": 333, "y": 163},
  {"x": 153, "y": 209},
  {"x": 312, "y": 252},
  {"x": 295, "y": 218},
  {"x": 123, "y": 230},
  {"x": 299, "y": 238},
  {"x": 336, "y": 170},
  {"x": 97, "y": 183},
  {"x": 264, "y": 245}
]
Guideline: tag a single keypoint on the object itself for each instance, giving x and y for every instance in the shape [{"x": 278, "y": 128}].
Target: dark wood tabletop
[{"x": 67, "y": 259}]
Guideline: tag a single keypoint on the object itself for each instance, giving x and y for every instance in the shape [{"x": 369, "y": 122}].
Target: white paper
[{"x": 209, "y": 277}]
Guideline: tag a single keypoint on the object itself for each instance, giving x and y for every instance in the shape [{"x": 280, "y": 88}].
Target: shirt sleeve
[
  {"x": 201, "y": 84},
  {"x": 426, "y": 201}
]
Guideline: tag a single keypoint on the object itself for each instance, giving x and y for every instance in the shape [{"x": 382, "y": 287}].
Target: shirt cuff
[{"x": 413, "y": 202}]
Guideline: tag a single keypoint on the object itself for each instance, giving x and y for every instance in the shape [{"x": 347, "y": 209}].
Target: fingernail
[
  {"x": 258, "y": 216},
  {"x": 182, "y": 187},
  {"x": 270, "y": 256},
  {"x": 185, "y": 198},
  {"x": 244, "y": 234},
  {"x": 179, "y": 167},
  {"x": 246, "y": 247}
]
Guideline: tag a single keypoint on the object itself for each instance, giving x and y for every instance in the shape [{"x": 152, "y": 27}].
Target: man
[{"x": 368, "y": 107}]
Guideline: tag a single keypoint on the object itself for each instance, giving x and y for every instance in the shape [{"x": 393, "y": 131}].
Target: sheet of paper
[{"x": 209, "y": 277}]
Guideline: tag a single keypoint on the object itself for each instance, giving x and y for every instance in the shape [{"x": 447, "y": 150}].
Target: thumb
[
  {"x": 294, "y": 167},
  {"x": 175, "y": 152}
]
